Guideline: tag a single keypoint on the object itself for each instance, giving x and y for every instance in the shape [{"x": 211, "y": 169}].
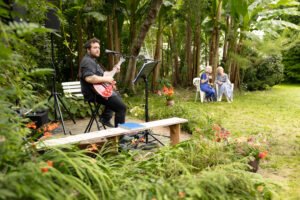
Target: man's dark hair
[{"x": 87, "y": 45}]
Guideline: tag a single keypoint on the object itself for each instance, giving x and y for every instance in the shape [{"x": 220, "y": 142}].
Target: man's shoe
[{"x": 106, "y": 123}]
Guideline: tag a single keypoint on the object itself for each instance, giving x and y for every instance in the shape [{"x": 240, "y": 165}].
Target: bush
[{"x": 267, "y": 73}]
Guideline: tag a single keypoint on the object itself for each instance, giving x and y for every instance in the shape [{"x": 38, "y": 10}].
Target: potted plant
[
  {"x": 169, "y": 95},
  {"x": 252, "y": 148}
]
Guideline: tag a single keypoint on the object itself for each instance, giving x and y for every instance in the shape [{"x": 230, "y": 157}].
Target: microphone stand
[
  {"x": 56, "y": 96},
  {"x": 144, "y": 72}
]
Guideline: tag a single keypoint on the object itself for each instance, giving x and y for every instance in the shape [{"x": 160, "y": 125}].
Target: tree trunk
[
  {"x": 157, "y": 56},
  {"x": 232, "y": 41},
  {"x": 137, "y": 44},
  {"x": 197, "y": 52},
  {"x": 226, "y": 40},
  {"x": 117, "y": 39},
  {"x": 206, "y": 50},
  {"x": 214, "y": 51},
  {"x": 110, "y": 39},
  {"x": 133, "y": 21},
  {"x": 175, "y": 56},
  {"x": 188, "y": 51},
  {"x": 80, "y": 40}
]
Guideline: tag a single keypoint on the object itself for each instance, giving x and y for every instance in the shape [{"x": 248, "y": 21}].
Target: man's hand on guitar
[
  {"x": 118, "y": 65},
  {"x": 106, "y": 88}
]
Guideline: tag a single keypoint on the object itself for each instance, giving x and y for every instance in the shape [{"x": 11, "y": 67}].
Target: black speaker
[
  {"x": 40, "y": 118},
  {"x": 52, "y": 20}
]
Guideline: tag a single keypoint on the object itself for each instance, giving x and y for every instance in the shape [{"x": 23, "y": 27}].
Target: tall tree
[
  {"x": 161, "y": 23},
  {"x": 215, "y": 36},
  {"x": 135, "y": 49}
]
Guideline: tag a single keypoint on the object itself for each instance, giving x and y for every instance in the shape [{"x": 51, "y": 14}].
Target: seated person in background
[
  {"x": 205, "y": 86},
  {"x": 91, "y": 73},
  {"x": 223, "y": 84}
]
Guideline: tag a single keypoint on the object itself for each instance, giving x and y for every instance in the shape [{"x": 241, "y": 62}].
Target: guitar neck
[{"x": 115, "y": 69}]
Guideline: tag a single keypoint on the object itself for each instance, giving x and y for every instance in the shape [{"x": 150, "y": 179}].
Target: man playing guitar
[{"x": 92, "y": 73}]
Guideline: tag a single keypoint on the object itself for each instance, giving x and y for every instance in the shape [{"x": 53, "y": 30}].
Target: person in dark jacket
[{"x": 93, "y": 73}]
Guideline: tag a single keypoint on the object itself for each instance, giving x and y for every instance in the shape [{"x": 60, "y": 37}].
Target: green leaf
[
  {"x": 96, "y": 15},
  {"x": 40, "y": 72}
]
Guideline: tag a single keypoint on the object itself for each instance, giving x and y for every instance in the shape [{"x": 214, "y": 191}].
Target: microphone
[{"x": 111, "y": 52}]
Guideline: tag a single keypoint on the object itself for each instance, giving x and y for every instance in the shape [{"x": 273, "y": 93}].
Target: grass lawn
[{"x": 274, "y": 113}]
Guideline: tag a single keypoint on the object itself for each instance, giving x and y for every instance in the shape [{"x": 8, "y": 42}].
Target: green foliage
[
  {"x": 265, "y": 74},
  {"x": 291, "y": 61},
  {"x": 195, "y": 169},
  {"x": 78, "y": 108},
  {"x": 18, "y": 88}
]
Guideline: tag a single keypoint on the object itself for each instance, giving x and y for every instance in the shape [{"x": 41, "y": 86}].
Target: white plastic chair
[
  {"x": 196, "y": 83},
  {"x": 220, "y": 98}
]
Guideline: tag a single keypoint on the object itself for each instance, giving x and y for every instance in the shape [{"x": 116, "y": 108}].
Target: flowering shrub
[
  {"x": 42, "y": 132},
  {"x": 168, "y": 92},
  {"x": 254, "y": 146},
  {"x": 251, "y": 146},
  {"x": 221, "y": 134}
]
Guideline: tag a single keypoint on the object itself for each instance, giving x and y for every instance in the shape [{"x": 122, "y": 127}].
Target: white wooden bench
[
  {"x": 172, "y": 123},
  {"x": 72, "y": 89}
]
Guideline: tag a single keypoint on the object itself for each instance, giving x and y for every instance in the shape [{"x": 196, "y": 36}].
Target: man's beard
[{"x": 94, "y": 55}]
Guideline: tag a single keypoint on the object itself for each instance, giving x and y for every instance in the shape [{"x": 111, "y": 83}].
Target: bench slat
[
  {"x": 71, "y": 83},
  {"x": 82, "y": 137},
  {"x": 73, "y": 90},
  {"x": 107, "y": 133},
  {"x": 71, "y": 87}
]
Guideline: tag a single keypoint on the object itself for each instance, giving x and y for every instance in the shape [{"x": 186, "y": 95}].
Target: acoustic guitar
[{"x": 106, "y": 89}]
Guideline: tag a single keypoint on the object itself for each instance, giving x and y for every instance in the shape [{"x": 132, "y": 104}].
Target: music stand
[{"x": 144, "y": 72}]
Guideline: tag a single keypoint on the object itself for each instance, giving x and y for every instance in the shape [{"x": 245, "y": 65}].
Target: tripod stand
[
  {"x": 146, "y": 69},
  {"x": 56, "y": 96}
]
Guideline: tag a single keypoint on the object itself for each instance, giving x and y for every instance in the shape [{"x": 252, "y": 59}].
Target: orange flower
[
  {"x": 170, "y": 91},
  {"x": 47, "y": 134},
  {"x": 45, "y": 169},
  {"x": 93, "y": 147},
  {"x": 262, "y": 155},
  {"x": 31, "y": 125},
  {"x": 216, "y": 127},
  {"x": 50, "y": 163},
  {"x": 50, "y": 127},
  {"x": 165, "y": 90}
]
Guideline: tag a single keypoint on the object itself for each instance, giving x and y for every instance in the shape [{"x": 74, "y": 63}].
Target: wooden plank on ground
[
  {"x": 160, "y": 123},
  {"x": 173, "y": 123},
  {"x": 73, "y": 139}
]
